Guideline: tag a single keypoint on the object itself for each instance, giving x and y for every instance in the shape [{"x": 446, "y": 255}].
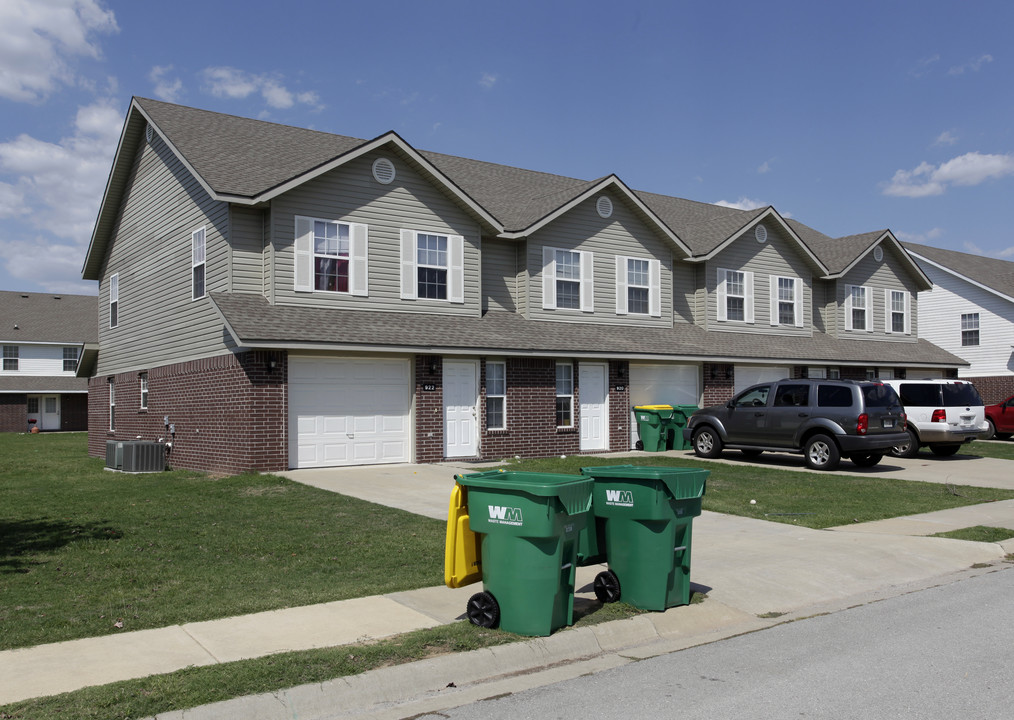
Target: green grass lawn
[{"x": 1001, "y": 449}]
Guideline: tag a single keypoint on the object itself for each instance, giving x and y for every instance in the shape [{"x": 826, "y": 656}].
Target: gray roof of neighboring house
[
  {"x": 48, "y": 318},
  {"x": 257, "y": 323},
  {"x": 997, "y": 275},
  {"x": 42, "y": 384}
]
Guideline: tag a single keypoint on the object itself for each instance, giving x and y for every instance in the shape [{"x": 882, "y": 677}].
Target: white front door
[
  {"x": 49, "y": 406},
  {"x": 461, "y": 401},
  {"x": 592, "y": 383}
]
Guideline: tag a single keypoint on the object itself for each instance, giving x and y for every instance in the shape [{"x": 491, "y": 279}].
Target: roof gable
[{"x": 990, "y": 274}]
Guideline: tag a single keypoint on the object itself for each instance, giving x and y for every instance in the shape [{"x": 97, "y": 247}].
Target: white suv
[{"x": 943, "y": 414}]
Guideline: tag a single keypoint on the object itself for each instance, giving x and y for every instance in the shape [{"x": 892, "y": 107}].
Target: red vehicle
[{"x": 1000, "y": 418}]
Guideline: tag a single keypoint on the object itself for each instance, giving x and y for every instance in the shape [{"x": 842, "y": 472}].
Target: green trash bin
[
  {"x": 644, "y": 517},
  {"x": 530, "y": 525},
  {"x": 653, "y": 426},
  {"x": 681, "y": 414}
]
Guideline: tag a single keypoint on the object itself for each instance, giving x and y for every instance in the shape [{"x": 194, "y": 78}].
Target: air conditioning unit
[
  {"x": 114, "y": 454},
  {"x": 142, "y": 457}
]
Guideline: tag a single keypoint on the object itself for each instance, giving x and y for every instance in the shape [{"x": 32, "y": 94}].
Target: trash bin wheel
[
  {"x": 607, "y": 587},
  {"x": 639, "y": 445},
  {"x": 483, "y": 610}
]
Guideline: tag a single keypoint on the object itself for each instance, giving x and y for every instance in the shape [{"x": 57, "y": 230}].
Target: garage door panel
[{"x": 662, "y": 384}]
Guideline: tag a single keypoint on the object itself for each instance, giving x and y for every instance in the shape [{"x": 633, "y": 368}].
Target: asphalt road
[{"x": 944, "y": 652}]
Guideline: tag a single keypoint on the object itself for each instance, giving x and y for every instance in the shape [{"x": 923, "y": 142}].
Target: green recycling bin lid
[
  {"x": 683, "y": 483},
  {"x": 573, "y": 491}
]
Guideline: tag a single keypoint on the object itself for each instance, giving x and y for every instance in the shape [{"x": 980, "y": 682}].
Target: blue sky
[{"x": 849, "y": 117}]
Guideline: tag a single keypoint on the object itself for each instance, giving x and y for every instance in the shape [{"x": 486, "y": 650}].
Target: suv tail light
[
  {"x": 939, "y": 415},
  {"x": 904, "y": 421},
  {"x": 862, "y": 424}
]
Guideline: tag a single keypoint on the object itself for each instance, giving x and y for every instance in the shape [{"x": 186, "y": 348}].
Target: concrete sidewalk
[{"x": 749, "y": 568}]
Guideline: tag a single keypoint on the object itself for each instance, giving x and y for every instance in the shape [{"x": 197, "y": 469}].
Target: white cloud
[
  {"x": 946, "y": 138},
  {"x": 230, "y": 82},
  {"x": 971, "y": 66},
  {"x": 923, "y": 65},
  {"x": 969, "y": 169},
  {"x": 1006, "y": 252},
  {"x": 488, "y": 80},
  {"x": 744, "y": 203},
  {"x": 56, "y": 190},
  {"x": 39, "y": 39},
  {"x": 167, "y": 88},
  {"x": 925, "y": 238},
  {"x": 764, "y": 168}
]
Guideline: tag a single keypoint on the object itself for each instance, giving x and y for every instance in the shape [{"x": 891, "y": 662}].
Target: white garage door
[
  {"x": 348, "y": 411},
  {"x": 747, "y": 375},
  {"x": 662, "y": 384}
]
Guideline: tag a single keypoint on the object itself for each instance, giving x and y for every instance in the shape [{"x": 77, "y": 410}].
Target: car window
[
  {"x": 961, "y": 394},
  {"x": 879, "y": 395},
  {"x": 834, "y": 396},
  {"x": 920, "y": 394},
  {"x": 754, "y": 397},
  {"x": 1010, "y": 403},
  {"x": 792, "y": 396}
]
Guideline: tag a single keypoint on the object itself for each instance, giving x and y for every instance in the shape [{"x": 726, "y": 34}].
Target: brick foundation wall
[
  {"x": 994, "y": 388},
  {"x": 619, "y": 406},
  {"x": 229, "y": 412},
  {"x": 429, "y": 409},
  {"x": 13, "y": 412},
  {"x": 719, "y": 382}
]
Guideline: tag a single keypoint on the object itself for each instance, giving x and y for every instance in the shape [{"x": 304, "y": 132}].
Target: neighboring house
[
  {"x": 290, "y": 298},
  {"x": 970, "y": 312},
  {"x": 42, "y": 337}
]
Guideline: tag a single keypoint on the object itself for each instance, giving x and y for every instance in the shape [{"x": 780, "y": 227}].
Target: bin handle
[
  {"x": 680, "y": 548},
  {"x": 565, "y": 566}
]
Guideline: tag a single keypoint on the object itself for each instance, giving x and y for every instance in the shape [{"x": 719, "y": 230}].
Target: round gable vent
[
  {"x": 604, "y": 206},
  {"x": 383, "y": 171},
  {"x": 148, "y": 133},
  {"x": 761, "y": 233},
  {"x": 878, "y": 253}
]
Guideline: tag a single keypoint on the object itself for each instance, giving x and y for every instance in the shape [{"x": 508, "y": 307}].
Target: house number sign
[{"x": 429, "y": 387}]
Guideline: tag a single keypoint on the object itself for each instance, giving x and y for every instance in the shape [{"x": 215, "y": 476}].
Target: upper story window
[
  {"x": 11, "y": 357},
  {"x": 638, "y": 285},
  {"x": 735, "y": 295},
  {"x": 114, "y": 300},
  {"x": 564, "y": 395},
  {"x": 969, "y": 329},
  {"x": 197, "y": 254},
  {"x": 898, "y": 305},
  {"x": 331, "y": 256},
  {"x": 786, "y": 301},
  {"x": 567, "y": 280},
  {"x": 70, "y": 355},
  {"x": 857, "y": 308},
  {"x": 496, "y": 395},
  {"x": 432, "y": 266}
]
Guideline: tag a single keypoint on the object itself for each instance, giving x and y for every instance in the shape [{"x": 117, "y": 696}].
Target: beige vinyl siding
[
  {"x": 351, "y": 194},
  {"x": 684, "y": 277},
  {"x": 524, "y": 277},
  {"x": 621, "y": 234},
  {"x": 778, "y": 256},
  {"x": 150, "y": 250},
  {"x": 499, "y": 275},
  {"x": 825, "y": 319},
  {"x": 890, "y": 273},
  {"x": 247, "y": 242}
]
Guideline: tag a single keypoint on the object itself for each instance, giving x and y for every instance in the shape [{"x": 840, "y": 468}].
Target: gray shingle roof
[
  {"x": 46, "y": 317},
  {"x": 42, "y": 384},
  {"x": 257, "y": 323},
  {"x": 995, "y": 274}
]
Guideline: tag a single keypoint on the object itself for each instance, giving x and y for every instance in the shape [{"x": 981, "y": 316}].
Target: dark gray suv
[{"x": 823, "y": 419}]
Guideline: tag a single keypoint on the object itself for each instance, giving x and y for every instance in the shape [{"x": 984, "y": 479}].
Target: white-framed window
[
  {"x": 114, "y": 300},
  {"x": 786, "y": 301},
  {"x": 496, "y": 395},
  {"x": 198, "y": 252},
  {"x": 11, "y": 357},
  {"x": 816, "y": 373},
  {"x": 638, "y": 286},
  {"x": 331, "y": 256},
  {"x": 834, "y": 373},
  {"x": 857, "y": 308},
  {"x": 32, "y": 407},
  {"x": 70, "y": 355},
  {"x": 567, "y": 281},
  {"x": 969, "y": 329},
  {"x": 432, "y": 266},
  {"x": 143, "y": 377},
  {"x": 564, "y": 394},
  {"x": 735, "y": 295},
  {"x": 897, "y": 304},
  {"x": 112, "y": 404}
]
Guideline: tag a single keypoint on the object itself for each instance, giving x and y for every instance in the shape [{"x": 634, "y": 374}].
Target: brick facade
[
  {"x": 229, "y": 412},
  {"x": 13, "y": 412},
  {"x": 994, "y": 388},
  {"x": 719, "y": 382}
]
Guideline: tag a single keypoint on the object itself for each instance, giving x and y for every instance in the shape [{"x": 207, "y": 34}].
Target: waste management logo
[
  {"x": 505, "y": 515},
  {"x": 620, "y": 498}
]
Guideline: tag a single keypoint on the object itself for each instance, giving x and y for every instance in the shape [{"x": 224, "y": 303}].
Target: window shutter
[
  {"x": 654, "y": 288},
  {"x": 548, "y": 278},
  {"x": 848, "y": 307},
  {"x": 621, "y": 285},
  {"x": 888, "y": 310},
  {"x": 748, "y": 291},
  {"x": 720, "y": 295},
  {"x": 773, "y": 303},
  {"x": 303, "y": 271},
  {"x": 797, "y": 294},
  {"x": 587, "y": 283},
  {"x": 908, "y": 313},
  {"x": 456, "y": 269},
  {"x": 359, "y": 244},
  {"x": 409, "y": 279},
  {"x": 868, "y": 312}
]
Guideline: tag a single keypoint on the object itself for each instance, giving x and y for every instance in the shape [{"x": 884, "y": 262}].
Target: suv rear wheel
[
  {"x": 821, "y": 453},
  {"x": 909, "y": 449},
  {"x": 866, "y": 459},
  {"x": 707, "y": 444},
  {"x": 944, "y": 450}
]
